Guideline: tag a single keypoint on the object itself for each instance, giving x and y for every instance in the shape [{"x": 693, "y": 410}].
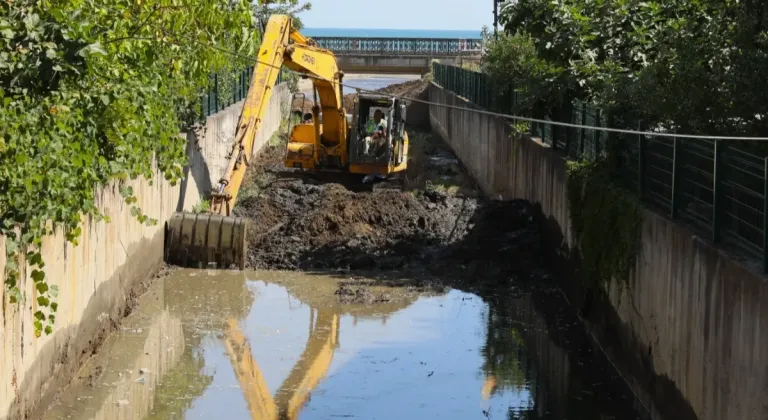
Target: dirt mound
[
  {"x": 302, "y": 222},
  {"x": 409, "y": 89},
  {"x": 435, "y": 223}
]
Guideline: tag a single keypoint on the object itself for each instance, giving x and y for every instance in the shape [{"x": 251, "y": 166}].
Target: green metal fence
[
  {"x": 718, "y": 188},
  {"x": 228, "y": 88}
]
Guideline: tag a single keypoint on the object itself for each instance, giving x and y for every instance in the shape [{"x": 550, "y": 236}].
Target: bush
[{"x": 93, "y": 91}]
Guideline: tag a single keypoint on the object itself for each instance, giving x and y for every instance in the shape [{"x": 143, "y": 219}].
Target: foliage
[
  {"x": 513, "y": 66},
  {"x": 202, "y": 207},
  {"x": 675, "y": 63},
  {"x": 292, "y": 8},
  {"x": 501, "y": 350},
  {"x": 94, "y": 91},
  {"x": 606, "y": 221}
]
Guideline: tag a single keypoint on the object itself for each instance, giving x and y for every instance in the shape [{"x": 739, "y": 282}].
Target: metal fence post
[
  {"x": 582, "y": 131},
  {"x": 717, "y": 191},
  {"x": 640, "y": 162},
  {"x": 675, "y": 177},
  {"x": 598, "y": 135},
  {"x": 765, "y": 217},
  {"x": 235, "y": 93},
  {"x": 566, "y": 131},
  {"x": 215, "y": 93}
]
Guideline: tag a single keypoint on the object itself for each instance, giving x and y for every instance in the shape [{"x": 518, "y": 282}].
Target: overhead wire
[{"x": 667, "y": 135}]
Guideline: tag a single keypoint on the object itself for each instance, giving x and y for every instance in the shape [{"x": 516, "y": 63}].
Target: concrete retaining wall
[
  {"x": 99, "y": 279},
  {"x": 214, "y": 141},
  {"x": 691, "y": 332}
]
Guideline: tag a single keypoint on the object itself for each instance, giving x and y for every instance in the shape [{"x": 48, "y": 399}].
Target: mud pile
[
  {"x": 435, "y": 222},
  {"x": 409, "y": 89},
  {"x": 298, "y": 222}
]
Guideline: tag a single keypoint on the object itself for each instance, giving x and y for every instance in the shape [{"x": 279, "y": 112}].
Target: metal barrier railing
[
  {"x": 717, "y": 187},
  {"x": 400, "y": 46}
]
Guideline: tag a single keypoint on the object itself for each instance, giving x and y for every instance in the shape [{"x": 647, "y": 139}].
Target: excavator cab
[{"x": 384, "y": 155}]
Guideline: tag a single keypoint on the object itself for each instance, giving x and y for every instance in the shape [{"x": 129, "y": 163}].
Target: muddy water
[{"x": 269, "y": 345}]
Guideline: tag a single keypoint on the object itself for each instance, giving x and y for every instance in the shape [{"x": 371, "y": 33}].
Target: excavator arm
[
  {"x": 301, "y": 56},
  {"x": 304, "y": 377},
  {"x": 217, "y": 237}
]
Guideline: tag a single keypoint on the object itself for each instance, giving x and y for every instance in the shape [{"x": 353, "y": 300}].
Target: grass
[{"x": 202, "y": 207}]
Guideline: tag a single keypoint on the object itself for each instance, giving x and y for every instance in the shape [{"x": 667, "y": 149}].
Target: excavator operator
[{"x": 375, "y": 129}]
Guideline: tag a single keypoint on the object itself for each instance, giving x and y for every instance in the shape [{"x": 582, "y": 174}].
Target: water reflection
[
  {"x": 283, "y": 346},
  {"x": 535, "y": 342}
]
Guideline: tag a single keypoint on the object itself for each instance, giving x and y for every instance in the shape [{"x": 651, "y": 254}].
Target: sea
[{"x": 390, "y": 33}]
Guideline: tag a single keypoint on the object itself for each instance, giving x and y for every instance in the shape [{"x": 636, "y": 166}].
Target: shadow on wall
[
  {"x": 196, "y": 184},
  {"x": 113, "y": 300},
  {"x": 671, "y": 331}
]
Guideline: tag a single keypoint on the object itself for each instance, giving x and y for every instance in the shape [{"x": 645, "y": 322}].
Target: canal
[{"x": 272, "y": 345}]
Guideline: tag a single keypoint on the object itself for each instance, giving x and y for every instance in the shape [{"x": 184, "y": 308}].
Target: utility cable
[{"x": 498, "y": 114}]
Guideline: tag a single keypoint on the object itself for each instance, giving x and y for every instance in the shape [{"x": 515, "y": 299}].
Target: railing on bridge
[
  {"x": 718, "y": 188},
  {"x": 400, "y": 46}
]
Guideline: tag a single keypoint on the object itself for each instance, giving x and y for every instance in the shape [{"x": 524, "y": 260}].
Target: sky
[{"x": 400, "y": 14}]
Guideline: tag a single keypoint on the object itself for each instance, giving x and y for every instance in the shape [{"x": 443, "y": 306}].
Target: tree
[
  {"x": 675, "y": 63},
  {"x": 94, "y": 91},
  {"x": 293, "y": 8}
]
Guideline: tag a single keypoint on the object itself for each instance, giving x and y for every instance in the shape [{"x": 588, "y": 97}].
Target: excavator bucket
[
  {"x": 205, "y": 240},
  {"x": 216, "y": 238}
]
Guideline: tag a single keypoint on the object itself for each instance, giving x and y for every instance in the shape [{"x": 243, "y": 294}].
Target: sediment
[{"x": 435, "y": 223}]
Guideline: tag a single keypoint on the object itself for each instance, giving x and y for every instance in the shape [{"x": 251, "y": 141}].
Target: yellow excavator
[{"x": 329, "y": 142}]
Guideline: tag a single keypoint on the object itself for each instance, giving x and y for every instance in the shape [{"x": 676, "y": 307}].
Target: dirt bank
[
  {"x": 411, "y": 89},
  {"x": 436, "y": 222}
]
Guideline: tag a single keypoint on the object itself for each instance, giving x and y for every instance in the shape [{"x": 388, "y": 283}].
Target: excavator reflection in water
[
  {"x": 304, "y": 377},
  {"x": 231, "y": 302}
]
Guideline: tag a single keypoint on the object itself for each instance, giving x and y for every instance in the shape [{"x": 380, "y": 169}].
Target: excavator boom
[{"x": 217, "y": 237}]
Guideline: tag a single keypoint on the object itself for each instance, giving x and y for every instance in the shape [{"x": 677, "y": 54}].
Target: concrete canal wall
[
  {"x": 690, "y": 332},
  {"x": 99, "y": 279}
]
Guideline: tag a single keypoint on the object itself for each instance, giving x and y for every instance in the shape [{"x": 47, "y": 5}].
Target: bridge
[{"x": 400, "y": 55}]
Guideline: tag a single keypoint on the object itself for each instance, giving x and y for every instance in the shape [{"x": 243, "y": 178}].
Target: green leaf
[
  {"x": 92, "y": 49},
  {"x": 43, "y": 301},
  {"x": 48, "y": 330},
  {"x": 105, "y": 99},
  {"x": 55, "y": 291},
  {"x": 42, "y": 287},
  {"x": 36, "y": 258},
  {"x": 38, "y": 275},
  {"x": 134, "y": 211},
  {"x": 39, "y": 315},
  {"x": 126, "y": 192},
  {"x": 54, "y": 306}
]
